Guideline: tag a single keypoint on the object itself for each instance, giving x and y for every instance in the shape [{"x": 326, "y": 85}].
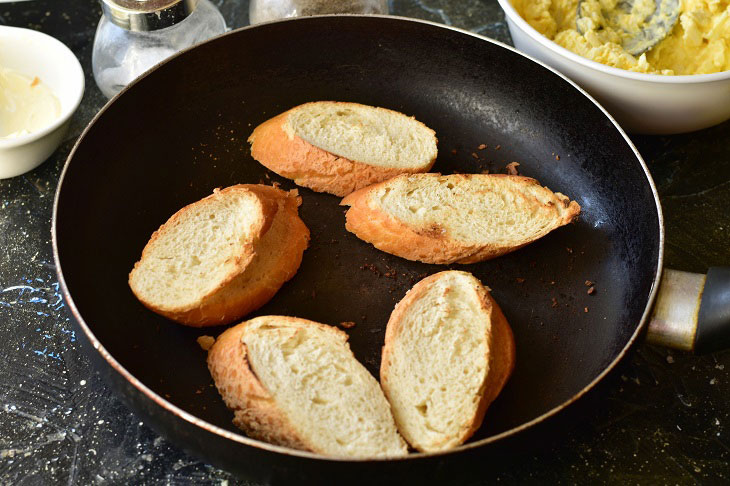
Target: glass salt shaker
[
  {"x": 266, "y": 10},
  {"x": 134, "y": 35}
]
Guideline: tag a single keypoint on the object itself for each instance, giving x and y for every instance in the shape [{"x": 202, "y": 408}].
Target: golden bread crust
[
  {"x": 501, "y": 361},
  {"x": 292, "y": 157},
  {"x": 254, "y": 280},
  {"x": 371, "y": 223},
  {"x": 255, "y": 411},
  {"x": 500, "y": 357}
]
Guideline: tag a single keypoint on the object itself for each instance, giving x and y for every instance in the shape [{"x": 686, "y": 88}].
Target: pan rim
[{"x": 242, "y": 439}]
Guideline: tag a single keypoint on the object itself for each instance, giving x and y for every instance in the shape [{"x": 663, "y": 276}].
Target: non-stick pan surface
[{"x": 181, "y": 132}]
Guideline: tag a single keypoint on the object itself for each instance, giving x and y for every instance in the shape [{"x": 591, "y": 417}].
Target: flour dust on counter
[{"x": 58, "y": 422}]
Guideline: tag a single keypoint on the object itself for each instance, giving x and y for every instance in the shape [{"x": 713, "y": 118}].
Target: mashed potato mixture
[{"x": 699, "y": 43}]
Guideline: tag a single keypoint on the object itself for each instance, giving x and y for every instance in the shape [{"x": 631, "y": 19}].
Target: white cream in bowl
[
  {"x": 26, "y": 105},
  {"x": 42, "y": 84}
]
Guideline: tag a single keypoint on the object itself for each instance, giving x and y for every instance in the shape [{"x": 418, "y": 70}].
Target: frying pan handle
[{"x": 692, "y": 311}]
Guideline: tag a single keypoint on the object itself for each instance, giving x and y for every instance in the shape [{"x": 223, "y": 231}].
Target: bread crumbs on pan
[{"x": 205, "y": 342}]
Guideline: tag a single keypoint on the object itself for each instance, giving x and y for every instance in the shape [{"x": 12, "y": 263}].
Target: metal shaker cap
[{"x": 147, "y": 15}]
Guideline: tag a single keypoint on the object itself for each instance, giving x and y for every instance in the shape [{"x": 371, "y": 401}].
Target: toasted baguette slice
[
  {"x": 296, "y": 383},
  {"x": 222, "y": 257},
  {"x": 340, "y": 147},
  {"x": 448, "y": 352},
  {"x": 459, "y": 218}
]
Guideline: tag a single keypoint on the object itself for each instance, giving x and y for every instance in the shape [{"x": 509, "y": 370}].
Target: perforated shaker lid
[{"x": 147, "y": 15}]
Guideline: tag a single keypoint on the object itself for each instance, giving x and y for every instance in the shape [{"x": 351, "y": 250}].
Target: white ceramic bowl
[
  {"x": 36, "y": 54},
  {"x": 642, "y": 103}
]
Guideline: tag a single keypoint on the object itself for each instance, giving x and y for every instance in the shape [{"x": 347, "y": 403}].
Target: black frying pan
[{"x": 180, "y": 132}]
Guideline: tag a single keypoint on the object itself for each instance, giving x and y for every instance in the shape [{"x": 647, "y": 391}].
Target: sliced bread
[
  {"x": 295, "y": 383},
  {"x": 459, "y": 218},
  {"x": 448, "y": 352},
  {"x": 339, "y": 147},
  {"x": 222, "y": 257}
]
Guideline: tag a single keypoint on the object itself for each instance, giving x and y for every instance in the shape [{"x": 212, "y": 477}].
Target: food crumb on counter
[
  {"x": 554, "y": 302},
  {"x": 497, "y": 147},
  {"x": 512, "y": 168},
  {"x": 520, "y": 280},
  {"x": 588, "y": 283},
  {"x": 482, "y": 146},
  {"x": 347, "y": 324},
  {"x": 585, "y": 309},
  {"x": 591, "y": 290},
  {"x": 474, "y": 154},
  {"x": 206, "y": 342}
]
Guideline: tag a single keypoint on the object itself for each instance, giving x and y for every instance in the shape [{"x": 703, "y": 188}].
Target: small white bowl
[
  {"x": 34, "y": 54},
  {"x": 641, "y": 103}
]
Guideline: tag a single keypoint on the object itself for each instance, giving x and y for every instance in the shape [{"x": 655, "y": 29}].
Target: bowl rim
[
  {"x": 680, "y": 79},
  {"x": 70, "y": 64}
]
